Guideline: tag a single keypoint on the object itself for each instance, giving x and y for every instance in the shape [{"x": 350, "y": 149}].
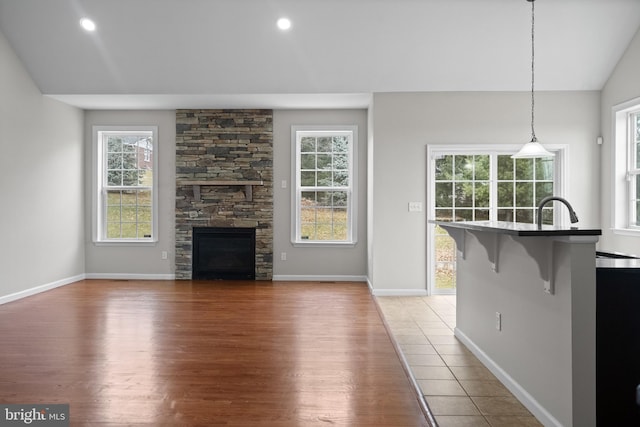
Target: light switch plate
[{"x": 415, "y": 206}]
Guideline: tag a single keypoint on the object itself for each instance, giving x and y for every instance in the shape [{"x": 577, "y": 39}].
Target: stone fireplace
[{"x": 224, "y": 178}]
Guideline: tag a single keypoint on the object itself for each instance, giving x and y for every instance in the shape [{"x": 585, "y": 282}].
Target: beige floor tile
[
  {"x": 432, "y": 373},
  {"x": 441, "y": 388},
  {"x": 437, "y": 331},
  {"x": 472, "y": 373},
  {"x": 418, "y": 349},
  {"x": 411, "y": 339},
  {"x": 432, "y": 324},
  {"x": 460, "y": 360},
  {"x": 452, "y": 405},
  {"x": 402, "y": 331},
  {"x": 461, "y": 421},
  {"x": 425, "y": 312},
  {"x": 443, "y": 309},
  {"x": 423, "y": 328},
  {"x": 443, "y": 339},
  {"x": 395, "y": 309},
  {"x": 513, "y": 422},
  {"x": 426, "y": 315},
  {"x": 500, "y": 406},
  {"x": 457, "y": 348},
  {"x": 397, "y": 322},
  {"x": 424, "y": 360},
  {"x": 479, "y": 388}
]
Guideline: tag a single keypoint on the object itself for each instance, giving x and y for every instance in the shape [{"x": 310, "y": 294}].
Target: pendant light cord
[{"x": 533, "y": 132}]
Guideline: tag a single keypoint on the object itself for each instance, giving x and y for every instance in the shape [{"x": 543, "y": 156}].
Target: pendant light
[{"x": 532, "y": 149}]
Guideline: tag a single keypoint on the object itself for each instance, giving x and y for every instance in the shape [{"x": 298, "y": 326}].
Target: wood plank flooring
[{"x": 206, "y": 353}]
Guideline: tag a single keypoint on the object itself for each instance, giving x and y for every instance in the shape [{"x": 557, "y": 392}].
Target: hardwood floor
[{"x": 206, "y": 353}]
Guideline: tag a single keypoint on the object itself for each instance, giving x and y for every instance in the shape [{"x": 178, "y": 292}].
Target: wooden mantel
[{"x": 248, "y": 186}]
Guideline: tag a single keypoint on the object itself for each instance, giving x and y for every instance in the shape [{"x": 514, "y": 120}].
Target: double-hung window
[
  {"x": 324, "y": 177},
  {"x": 626, "y": 206},
  {"x": 633, "y": 174},
  {"x": 125, "y": 191}
]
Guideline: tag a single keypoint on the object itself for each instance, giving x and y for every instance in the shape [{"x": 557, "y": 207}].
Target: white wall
[
  {"x": 403, "y": 125},
  {"x": 41, "y": 182},
  {"x": 315, "y": 262},
  {"x": 128, "y": 260},
  {"x": 623, "y": 85}
]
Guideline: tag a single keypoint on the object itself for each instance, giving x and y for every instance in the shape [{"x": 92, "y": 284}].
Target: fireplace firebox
[{"x": 224, "y": 253}]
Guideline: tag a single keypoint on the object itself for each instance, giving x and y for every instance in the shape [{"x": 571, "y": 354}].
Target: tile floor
[{"x": 458, "y": 389}]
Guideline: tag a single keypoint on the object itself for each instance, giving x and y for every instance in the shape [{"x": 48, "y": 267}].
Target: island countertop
[{"x": 519, "y": 228}]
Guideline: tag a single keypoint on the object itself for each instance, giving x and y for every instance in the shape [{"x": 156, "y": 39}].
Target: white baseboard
[
  {"x": 38, "y": 289},
  {"x": 398, "y": 292},
  {"x": 518, "y": 391},
  {"x": 318, "y": 278},
  {"x": 127, "y": 276}
]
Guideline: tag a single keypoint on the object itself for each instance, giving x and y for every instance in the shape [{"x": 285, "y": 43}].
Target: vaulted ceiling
[{"x": 229, "y": 53}]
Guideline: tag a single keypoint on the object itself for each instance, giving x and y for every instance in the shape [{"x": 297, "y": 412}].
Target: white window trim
[
  {"x": 353, "y": 206},
  {"x": 620, "y": 166},
  {"x": 97, "y": 213},
  {"x": 561, "y": 152}
]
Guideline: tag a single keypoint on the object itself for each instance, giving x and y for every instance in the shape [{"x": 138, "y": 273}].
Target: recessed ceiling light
[
  {"x": 88, "y": 24},
  {"x": 284, "y": 24}
]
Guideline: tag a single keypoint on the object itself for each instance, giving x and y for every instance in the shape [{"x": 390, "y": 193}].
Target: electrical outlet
[
  {"x": 164, "y": 254},
  {"x": 498, "y": 321},
  {"x": 283, "y": 256},
  {"x": 283, "y": 183}
]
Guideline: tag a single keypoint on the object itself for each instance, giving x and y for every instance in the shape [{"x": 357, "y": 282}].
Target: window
[
  {"x": 324, "y": 171},
  {"x": 521, "y": 186},
  {"x": 633, "y": 174},
  {"x": 626, "y": 173},
  {"x": 492, "y": 187},
  {"x": 471, "y": 184},
  {"x": 125, "y": 208}
]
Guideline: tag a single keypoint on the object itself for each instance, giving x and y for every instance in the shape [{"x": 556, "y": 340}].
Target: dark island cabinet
[{"x": 617, "y": 341}]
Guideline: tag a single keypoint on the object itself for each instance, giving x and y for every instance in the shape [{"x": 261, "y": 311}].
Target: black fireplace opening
[{"x": 224, "y": 253}]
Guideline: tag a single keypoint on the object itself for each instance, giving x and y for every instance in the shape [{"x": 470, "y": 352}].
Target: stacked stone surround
[{"x": 224, "y": 145}]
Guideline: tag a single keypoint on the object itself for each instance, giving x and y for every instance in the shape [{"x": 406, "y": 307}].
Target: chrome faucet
[{"x": 572, "y": 213}]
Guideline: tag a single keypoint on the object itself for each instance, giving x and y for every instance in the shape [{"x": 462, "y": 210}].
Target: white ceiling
[{"x": 229, "y": 53}]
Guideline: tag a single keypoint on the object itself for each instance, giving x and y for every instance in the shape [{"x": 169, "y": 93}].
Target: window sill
[
  {"x": 318, "y": 244},
  {"x": 130, "y": 243},
  {"x": 626, "y": 231}
]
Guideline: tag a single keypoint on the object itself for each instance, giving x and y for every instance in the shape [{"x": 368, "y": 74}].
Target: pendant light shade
[{"x": 532, "y": 149}]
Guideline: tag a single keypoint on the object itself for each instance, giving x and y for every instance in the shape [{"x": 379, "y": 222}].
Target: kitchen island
[{"x": 526, "y": 307}]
